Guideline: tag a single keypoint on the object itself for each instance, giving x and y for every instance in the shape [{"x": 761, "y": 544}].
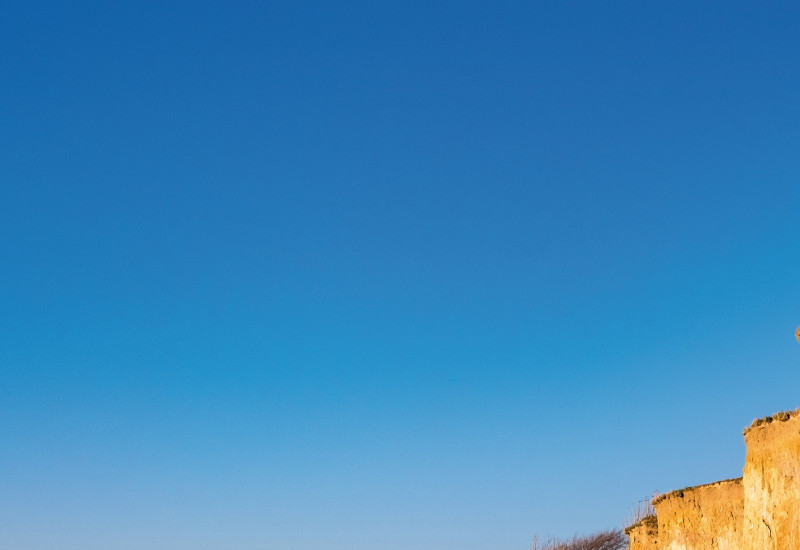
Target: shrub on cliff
[{"x": 605, "y": 540}]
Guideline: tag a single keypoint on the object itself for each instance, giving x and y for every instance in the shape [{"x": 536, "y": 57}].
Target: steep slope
[
  {"x": 706, "y": 517},
  {"x": 772, "y": 483}
]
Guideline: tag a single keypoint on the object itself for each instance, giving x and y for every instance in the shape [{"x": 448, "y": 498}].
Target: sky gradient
[{"x": 383, "y": 275}]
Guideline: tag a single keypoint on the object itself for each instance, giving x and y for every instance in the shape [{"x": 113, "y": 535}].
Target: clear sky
[{"x": 367, "y": 275}]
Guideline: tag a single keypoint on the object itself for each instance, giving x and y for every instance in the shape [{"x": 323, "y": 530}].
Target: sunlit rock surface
[
  {"x": 772, "y": 483},
  {"x": 706, "y": 517}
]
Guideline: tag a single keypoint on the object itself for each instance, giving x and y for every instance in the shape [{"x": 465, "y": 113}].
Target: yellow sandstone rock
[
  {"x": 706, "y": 517},
  {"x": 772, "y": 483}
]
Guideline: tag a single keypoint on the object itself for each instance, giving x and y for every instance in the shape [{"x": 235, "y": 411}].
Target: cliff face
[
  {"x": 772, "y": 483},
  {"x": 707, "y": 517},
  {"x": 644, "y": 535},
  {"x": 760, "y": 511}
]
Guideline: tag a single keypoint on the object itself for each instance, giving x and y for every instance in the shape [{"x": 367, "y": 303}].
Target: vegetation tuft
[{"x": 649, "y": 522}]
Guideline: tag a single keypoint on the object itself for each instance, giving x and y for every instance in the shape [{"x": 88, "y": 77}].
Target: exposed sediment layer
[
  {"x": 643, "y": 535},
  {"x": 706, "y": 517},
  {"x": 772, "y": 483}
]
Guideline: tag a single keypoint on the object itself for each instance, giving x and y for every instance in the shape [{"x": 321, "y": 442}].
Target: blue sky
[{"x": 383, "y": 275}]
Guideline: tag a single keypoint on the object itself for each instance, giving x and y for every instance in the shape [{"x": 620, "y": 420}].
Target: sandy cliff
[
  {"x": 644, "y": 535},
  {"x": 706, "y": 517},
  {"x": 772, "y": 483},
  {"x": 760, "y": 511}
]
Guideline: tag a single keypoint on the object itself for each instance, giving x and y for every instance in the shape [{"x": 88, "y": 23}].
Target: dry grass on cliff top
[
  {"x": 678, "y": 493},
  {"x": 650, "y": 522},
  {"x": 779, "y": 417}
]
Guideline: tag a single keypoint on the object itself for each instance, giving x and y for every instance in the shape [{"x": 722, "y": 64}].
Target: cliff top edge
[
  {"x": 679, "y": 492},
  {"x": 650, "y": 521},
  {"x": 778, "y": 417}
]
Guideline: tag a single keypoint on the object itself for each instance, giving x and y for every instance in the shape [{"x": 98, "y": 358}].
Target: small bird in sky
[{"x": 797, "y": 333}]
